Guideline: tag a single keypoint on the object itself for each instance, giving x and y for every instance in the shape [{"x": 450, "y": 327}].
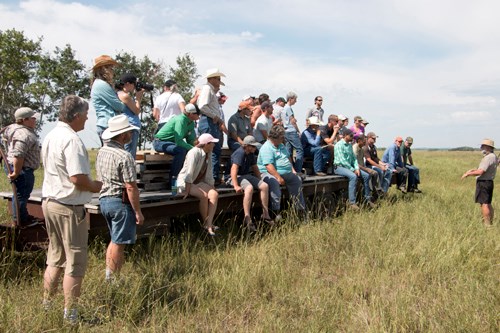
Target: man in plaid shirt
[{"x": 119, "y": 196}]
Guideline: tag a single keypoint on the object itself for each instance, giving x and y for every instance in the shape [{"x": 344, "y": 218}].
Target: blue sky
[{"x": 422, "y": 68}]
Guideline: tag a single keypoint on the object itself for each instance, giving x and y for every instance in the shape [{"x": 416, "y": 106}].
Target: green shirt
[
  {"x": 405, "y": 153},
  {"x": 176, "y": 130},
  {"x": 344, "y": 156}
]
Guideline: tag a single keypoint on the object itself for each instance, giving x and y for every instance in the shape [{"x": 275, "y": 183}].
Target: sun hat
[
  {"x": 488, "y": 142},
  {"x": 117, "y": 125},
  {"x": 25, "y": 112},
  {"x": 104, "y": 60},
  {"x": 341, "y": 117},
  {"x": 314, "y": 121},
  {"x": 214, "y": 72},
  {"x": 249, "y": 140},
  {"x": 206, "y": 138}
]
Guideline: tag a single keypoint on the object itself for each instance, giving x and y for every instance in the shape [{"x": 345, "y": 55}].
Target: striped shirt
[
  {"x": 23, "y": 142},
  {"x": 115, "y": 167}
]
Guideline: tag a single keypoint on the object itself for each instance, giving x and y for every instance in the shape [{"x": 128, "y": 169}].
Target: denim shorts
[{"x": 120, "y": 218}]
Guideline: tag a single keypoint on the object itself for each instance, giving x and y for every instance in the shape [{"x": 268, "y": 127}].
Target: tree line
[{"x": 33, "y": 77}]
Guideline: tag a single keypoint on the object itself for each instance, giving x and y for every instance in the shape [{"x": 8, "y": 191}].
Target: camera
[{"x": 143, "y": 85}]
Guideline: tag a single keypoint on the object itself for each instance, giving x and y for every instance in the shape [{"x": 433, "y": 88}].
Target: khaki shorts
[{"x": 68, "y": 233}]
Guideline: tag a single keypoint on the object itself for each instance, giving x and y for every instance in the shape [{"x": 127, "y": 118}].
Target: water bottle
[{"x": 174, "y": 185}]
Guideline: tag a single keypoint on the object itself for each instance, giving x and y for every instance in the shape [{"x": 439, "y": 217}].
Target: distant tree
[
  {"x": 185, "y": 74},
  {"x": 29, "y": 77}
]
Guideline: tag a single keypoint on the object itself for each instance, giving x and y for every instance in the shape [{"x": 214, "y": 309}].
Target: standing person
[
  {"x": 413, "y": 171},
  {"x": 257, "y": 109},
  {"x": 278, "y": 107},
  {"x": 222, "y": 100},
  {"x": 169, "y": 104},
  {"x": 103, "y": 95},
  {"x": 67, "y": 186},
  {"x": 119, "y": 196},
  {"x": 210, "y": 120},
  {"x": 125, "y": 87},
  {"x": 196, "y": 179},
  {"x": 264, "y": 123},
  {"x": 392, "y": 157},
  {"x": 292, "y": 132},
  {"x": 311, "y": 142},
  {"x": 23, "y": 156},
  {"x": 485, "y": 173},
  {"x": 316, "y": 110},
  {"x": 177, "y": 137},
  {"x": 243, "y": 163}
]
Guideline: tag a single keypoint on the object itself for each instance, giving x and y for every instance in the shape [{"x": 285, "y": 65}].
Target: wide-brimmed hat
[
  {"x": 25, "y": 112},
  {"x": 214, "y": 72},
  {"x": 206, "y": 138},
  {"x": 117, "y": 125},
  {"x": 314, "y": 121},
  {"x": 104, "y": 60},
  {"x": 249, "y": 140},
  {"x": 488, "y": 142}
]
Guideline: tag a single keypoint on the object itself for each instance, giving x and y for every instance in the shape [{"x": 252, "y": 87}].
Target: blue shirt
[
  {"x": 277, "y": 156},
  {"x": 105, "y": 101},
  {"x": 244, "y": 161},
  {"x": 286, "y": 116},
  {"x": 310, "y": 139},
  {"x": 392, "y": 156}
]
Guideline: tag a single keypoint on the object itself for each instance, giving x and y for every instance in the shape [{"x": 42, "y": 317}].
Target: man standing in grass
[
  {"x": 67, "y": 186},
  {"x": 484, "y": 183}
]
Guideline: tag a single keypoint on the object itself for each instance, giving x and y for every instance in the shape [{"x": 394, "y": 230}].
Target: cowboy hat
[
  {"x": 117, "y": 125},
  {"x": 214, "y": 72},
  {"x": 314, "y": 121},
  {"x": 104, "y": 60}
]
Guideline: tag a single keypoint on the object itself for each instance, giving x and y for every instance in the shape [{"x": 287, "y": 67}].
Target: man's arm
[
  {"x": 473, "y": 172},
  {"x": 234, "y": 177},
  {"x": 133, "y": 197},
  {"x": 17, "y": 164},
  {"x": 83, "y": 183},
  {"x": 273, "y": 172}
]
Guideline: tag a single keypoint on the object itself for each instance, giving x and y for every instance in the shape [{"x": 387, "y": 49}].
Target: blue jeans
[
  {"x": 366, "y": 184},
  {"x": 384, "y": 177},
  {"x": 413, "y": 175},
  {"x": 132, "y": 146},
  {"x": 24, "y": 184},
  {"x": 100, "y": 130},
  {"x": 320, "y": 157},
  {"x": 293, "y": 142},
  {"x": 293, "y": 184},
  {"x": 177, "y": 152},
  {"x": 206, "y": 125},
  {"x": 353, "y": 179},
  {"x": 120, "y": 218}
]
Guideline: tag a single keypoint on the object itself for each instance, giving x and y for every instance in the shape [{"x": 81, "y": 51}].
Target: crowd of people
[{"x": 268, "y": 151}]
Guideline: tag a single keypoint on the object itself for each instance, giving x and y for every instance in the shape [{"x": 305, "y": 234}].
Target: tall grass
[{"x": 418, "y": 263}]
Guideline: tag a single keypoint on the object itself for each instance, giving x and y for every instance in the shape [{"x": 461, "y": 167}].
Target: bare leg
[
  {"x": 488, "y": 213},
  {"x": 115, "y": 257},
  {"x": 264, "y": 199},
  {"x": 72, "y": 286},
  {"x": 208, "y": 202},
  {"x": 213, "y": 198},
  {"x": 51, "y": 281},
  {"x": 247, "y": 200}
]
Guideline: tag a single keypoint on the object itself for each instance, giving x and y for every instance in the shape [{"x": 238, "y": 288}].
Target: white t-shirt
[
  {"x": 262, "y": 124},
  {"x": 168, "y": 104}
]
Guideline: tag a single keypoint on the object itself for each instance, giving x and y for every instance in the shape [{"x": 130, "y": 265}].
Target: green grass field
[{"x": 418, "y": 263}]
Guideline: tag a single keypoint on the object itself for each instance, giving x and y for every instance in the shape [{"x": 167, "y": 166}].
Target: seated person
[
  {"x": 196, "y": 179},
  {"x": 243, "y": 163},
  {"x": 311, "y": 142},
  {"x": 413, "y": 171},
  {"x": 343, "y": 122},
  {"x": 374, "y": 182},
  {"x": 275, "y": 164},
  {"x": 330, "y": 135},
  {"x": 264, "y": 123},
  {"x": 347, "y": 166},
  {"x": 239, "y": 126},
  {"x": 357, "y": 128},
  {"x": 392, "y": 157},
  {"x": 177, "y": 137},
  {"x": 372, "y": 161}
]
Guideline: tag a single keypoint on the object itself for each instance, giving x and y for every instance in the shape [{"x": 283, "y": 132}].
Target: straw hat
[
  {"x": 314, "y": 121},
  {"x": 117, "y": 125},
  {"x": 104, "y": 60},
  {"x": 488, "y": 142}
]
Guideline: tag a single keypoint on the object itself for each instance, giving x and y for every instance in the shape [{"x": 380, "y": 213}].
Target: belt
[{"x": 60, "y": 203}]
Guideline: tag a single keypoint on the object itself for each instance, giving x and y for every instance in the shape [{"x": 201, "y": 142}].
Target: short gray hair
[
  {"x": 290, "y": 95},
  {"x": 276, "y": 132},
  {"x": 71, "y": 105}
]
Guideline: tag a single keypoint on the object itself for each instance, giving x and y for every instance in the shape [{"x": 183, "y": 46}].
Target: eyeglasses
[{"x": 319, "y": 100}]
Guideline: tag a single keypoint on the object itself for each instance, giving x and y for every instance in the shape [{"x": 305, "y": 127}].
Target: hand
[
  {"x": 238, "y": 189},
  {"x": 13, "y": 176},
  {"x": 465, "y": 175},
  {"x": 139, "y": 218},
  {"x": 356, "y": 172},
  {"x": 216, "y": 120},
  {"x": 98, "y": 186},
  {"x": 281, "y": 181},
  {"x": 139, "y": 94},
  {"x": 185, "y": 195}
]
